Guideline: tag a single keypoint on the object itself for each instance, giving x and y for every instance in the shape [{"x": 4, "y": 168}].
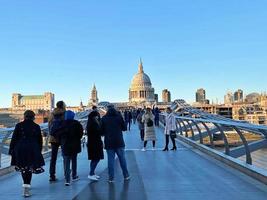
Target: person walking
[
  {"x": 112, "y": 127},
  {"x": 156, "y": 113},
  {"x": 94, "y": 144},
  {"x": 70, "y": 141},
  {"x": 150, "y": 135},
  {"x": 26, "y": 150},
  {"x": 54, "y": 125},
  {"x": 128, "y": 119},
  {"x": 135, "y": 114},
  {"x": 170, "y": 129},
  {"x": 141, "y": 125}
]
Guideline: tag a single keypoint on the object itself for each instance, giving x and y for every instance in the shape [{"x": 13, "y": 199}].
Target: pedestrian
[
  {"x": 54, "y": 125},
  {"x": 128, "y": 119},
  {"x": 70, "y": 141},
  {"x": 141, "y": 125},
  {"x": 150, "y": 135},
  {"x": 112, "y": 127},
  {"x": 156, "y": 113},
  {"x": 135, "y": 114},
  {"x": 94, "y": 144},
  {"x": 170, "y": 129},
  {"x": 26, "y": 150}
]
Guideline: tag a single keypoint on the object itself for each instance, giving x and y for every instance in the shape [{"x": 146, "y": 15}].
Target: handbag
[{"x": 173, "y": 134}]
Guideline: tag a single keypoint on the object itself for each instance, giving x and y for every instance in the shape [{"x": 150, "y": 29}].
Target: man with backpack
[{"x": 55, "y": 125}]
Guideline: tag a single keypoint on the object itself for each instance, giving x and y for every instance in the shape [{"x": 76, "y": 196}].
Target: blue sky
[{"x": 67, "y": 46}]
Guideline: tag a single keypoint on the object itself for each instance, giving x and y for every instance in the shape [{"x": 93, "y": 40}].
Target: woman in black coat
[
  {"x": 26, "y": 150},
  {"x": 95, "y": 144}
]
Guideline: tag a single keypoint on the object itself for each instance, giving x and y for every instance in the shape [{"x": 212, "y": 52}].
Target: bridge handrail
[
  {"x": 235, "y": 125},
  {"x": 6, "y": 133}
]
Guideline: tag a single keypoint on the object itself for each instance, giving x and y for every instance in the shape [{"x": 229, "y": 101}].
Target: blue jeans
[
  {"x": 111, "y": 159},
  {"x": 67, "y": 160},
  {"x": 93, "y": 165}
]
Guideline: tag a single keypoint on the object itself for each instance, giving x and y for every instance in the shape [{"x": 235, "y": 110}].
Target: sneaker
[
  {"x": 76, "y": 178},
  {"x": 67, "y": 183},
  {"x": 93, "y": 178},
  {"x": 144, "y": 149},
  {"x": 98, "y": 177},
  {"x": 153, "y": 149},
  {"x": 127, "y": 178}
]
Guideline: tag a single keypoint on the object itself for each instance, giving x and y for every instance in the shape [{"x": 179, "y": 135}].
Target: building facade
[
  {"x": 141, "y": 90},
  {"x": 201, "y": 96},
  {"x": 33, "y": 102},
  {"x": 228, "y": 98},
  {"x": 166, "y": 96},
  {"x": 94, "y": 97},
  {"x": 238, "y": 96}
]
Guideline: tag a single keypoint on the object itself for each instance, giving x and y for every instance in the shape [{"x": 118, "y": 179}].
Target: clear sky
[{"x": 66, "y": 46}]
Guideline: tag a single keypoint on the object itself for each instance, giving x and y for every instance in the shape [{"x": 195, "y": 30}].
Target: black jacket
[
  {"x": 112, "y": 127},
  {"x": 26, "y": 146},
  {"x": 94, "y": 144},
  {"x": 70, "y": 138}
]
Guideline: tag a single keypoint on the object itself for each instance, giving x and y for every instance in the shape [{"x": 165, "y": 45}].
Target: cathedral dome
[
  {"x": 141, "y": 89},
  {"x": 141, "y": 79}
]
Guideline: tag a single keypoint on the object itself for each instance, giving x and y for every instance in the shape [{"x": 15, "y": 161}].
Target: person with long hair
[
  {"x": 26, "y": 150},
  {"x": 94, "y": 144},
  {"x": 150, "y": 134},
  {"x": 170, "y": 126}
]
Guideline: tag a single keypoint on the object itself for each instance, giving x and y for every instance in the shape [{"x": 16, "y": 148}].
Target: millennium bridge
[{"x": 209, "y": 164}]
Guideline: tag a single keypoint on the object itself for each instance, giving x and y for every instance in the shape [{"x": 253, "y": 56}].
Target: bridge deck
[{"x": 185, "y": 174}]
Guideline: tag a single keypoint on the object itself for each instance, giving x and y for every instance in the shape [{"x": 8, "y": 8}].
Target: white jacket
[{"x": 170, "y": 124}]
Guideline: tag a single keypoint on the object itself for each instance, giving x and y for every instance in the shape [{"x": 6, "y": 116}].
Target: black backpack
[{"x": 149, "y": 123}]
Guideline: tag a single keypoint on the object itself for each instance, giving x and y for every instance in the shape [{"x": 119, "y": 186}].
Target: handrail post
[
  {"x": 226, "y": 144},
  {"x": 199, "y": 132},
  {"x": 191, "y": 128},
  {"x": 186, "y": 133},
  {"x": 210, "y": 134},
  {"x": 245, "y": 143}
]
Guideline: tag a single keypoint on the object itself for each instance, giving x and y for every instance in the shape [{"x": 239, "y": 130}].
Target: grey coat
[{"x": 150, "y": 133}]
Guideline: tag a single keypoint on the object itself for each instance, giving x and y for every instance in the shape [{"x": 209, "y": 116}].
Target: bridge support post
[
  {"x": 191, "y": 128},
  {"x": 245, "y": 143},
  {"x": 199, "y": 132},
  {"x": 226, "y": 144},
  {"x": 210, "y": 134},
  {"x": 186, "y": 133}
]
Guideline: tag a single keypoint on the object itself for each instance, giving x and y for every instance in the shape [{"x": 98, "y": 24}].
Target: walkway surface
[{"x": 185, "y": 174}]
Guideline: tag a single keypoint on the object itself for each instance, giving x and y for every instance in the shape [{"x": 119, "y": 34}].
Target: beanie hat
[{"x": 69, "y": 115}]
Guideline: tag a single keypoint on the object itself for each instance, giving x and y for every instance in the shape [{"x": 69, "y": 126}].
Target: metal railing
[
  {"x": 6, "y": 134},
  {"x": 201, "y": 124}
]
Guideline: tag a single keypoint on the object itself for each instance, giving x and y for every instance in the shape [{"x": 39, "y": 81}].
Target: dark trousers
[
  {"x": 93, "y": 166},
  {"x": 142, "y": 134},
  {"x": 153, "y": 142},
  {"x": 167, "y": 141},
  {"x": 111, "y": 160},
  {"x": 53, "y": 161},
  {"x": 129, "y": 124},
  {"x": 26, "y": 176},
  {"x": 67, "y": 160},
  {"x": 156, "y": 122}
]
